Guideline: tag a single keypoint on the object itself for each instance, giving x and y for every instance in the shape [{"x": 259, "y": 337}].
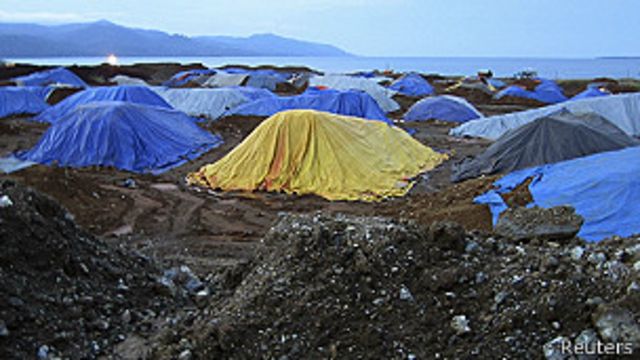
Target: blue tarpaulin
[
  {"x": 50, "y": 77},
  {"x": 254, "y": 93},
  {"x": 604, "y": 188},
  {"x": 42, "y": 92},
  {"x": 412, "y": 84},
  {"x": 444, "y": 108},
  {"x": 497, "y": 84},
  {"x": 15, "y": 100},
  {"x": 590, "y": 92},
  {"x": 183, "y": 77},
  {"x": 547, "y": 92},
  {"x": 350, "y": 103},
  {"x": 128, "y": 93},
  {"x": 127, "y": 136}
]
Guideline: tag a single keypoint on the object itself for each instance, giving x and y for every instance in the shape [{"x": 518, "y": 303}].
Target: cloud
[{"x": 50, "y": 17}]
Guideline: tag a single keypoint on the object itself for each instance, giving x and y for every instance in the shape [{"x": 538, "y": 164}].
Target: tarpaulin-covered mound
[
  {"x": 622, "y": 110},
  {"x": 128, "y": 93},
  {"x": 127, "y": 136},
  {"x": 349, "y": 103},
  {"x": 57, "y": 76},
  {"x": 66, "y": 294},
  {"x": 591, "y": 92},
  {"x": 551, "y": 139},
  {"x": 210, "y": 102},
  {"x": 184, "y": 77},
  {"x": 547, "y": 92},
  {"x": 337, "y": 287},
  {"x": 382, "y": 95},
  {"x": 444, "y": 108},
  {"x": 311, "y": 152},
  {"x": 225, "y": 79},
  {"x": 20, "y": 100},
  {"x": 604, "y": 188},
  {"x": 412, "y": 84}
]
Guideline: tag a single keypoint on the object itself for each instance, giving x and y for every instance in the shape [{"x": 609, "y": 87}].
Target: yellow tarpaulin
[{"x": 311, "y": 152}]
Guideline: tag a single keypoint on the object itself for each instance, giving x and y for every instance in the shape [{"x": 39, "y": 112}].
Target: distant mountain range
[{"x": 103, "y": 37}]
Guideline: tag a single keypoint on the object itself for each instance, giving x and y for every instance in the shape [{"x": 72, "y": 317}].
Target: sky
[{"x": 496, "y": 28}]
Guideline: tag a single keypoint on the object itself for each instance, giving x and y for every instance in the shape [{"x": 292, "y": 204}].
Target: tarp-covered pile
[
  {"x": 550, "y": 139},
  {"x": 128, "y": 80},
  {"x": 127, "y": 136},
  {"x": 350, "y": 103},
  {"x": 444, "y": 108},
  {"x": 622, "y": 110},
  {"x": 211, "y": 103},
  {"x": 184, "y": 77},
  {"x": 225, "y": 79},
  {"x": 57, "y": 76},
  {"x": 547, "y": 92},
  {"x": 311, "y": 152},
  {"x": 590, "y": 92},
  {"x": 20, "y": 100},
  {"x": 260, "y": 78},
  {"x": 412, "y": 84},
  {"x": 604, "y": 188},
  {"x": 382, "y": 95},
  {"x": 133, "y": 94}
]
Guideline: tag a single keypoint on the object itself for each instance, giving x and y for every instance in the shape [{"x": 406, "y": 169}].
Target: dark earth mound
[
  {"x": 348, "y": 288},
  {"x": 63, "y": 291}
]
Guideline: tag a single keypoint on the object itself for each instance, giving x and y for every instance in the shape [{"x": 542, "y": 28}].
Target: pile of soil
[
  {"x": 65, "y": 293},
  {"x": 345, "y": 287}
]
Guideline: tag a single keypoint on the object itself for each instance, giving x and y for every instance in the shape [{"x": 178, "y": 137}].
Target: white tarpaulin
[
  {"x": 211, "y": 103},
  {"x": 381, "y": 94},
  {"x": 621, "y": 110},
  {"x": 223, "y": 79},
  {"x": 128, "y": 80}
]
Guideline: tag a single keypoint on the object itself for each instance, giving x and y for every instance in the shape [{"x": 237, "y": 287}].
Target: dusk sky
[{"x": 519, "y": 28}]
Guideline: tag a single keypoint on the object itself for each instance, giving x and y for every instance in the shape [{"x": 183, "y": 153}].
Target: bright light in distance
[{"x": 112, "y": 60}]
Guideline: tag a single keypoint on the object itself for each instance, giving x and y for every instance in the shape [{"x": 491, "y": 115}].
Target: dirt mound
[
  {"x": 344, "y": 287},
  {"x": 64, "y": 292}
]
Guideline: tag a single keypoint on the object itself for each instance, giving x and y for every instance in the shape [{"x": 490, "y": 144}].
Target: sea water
[{"x": 502, "y": 67}]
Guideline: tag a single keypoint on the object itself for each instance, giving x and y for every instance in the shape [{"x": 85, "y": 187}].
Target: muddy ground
[{"x": 164, "y": 218}]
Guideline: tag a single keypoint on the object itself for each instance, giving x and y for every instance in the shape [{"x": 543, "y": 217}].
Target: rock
[
  {"x": 577, "y": 252},
  {"x": 43, "y": 352},
  {"x": 5, "y": 201},
  {"x": 126, "y": 316},
  {"x": 597, "y": 259},
  {"x": 448, "y": 235},
  {"x": 587, "y": 340},
  {"x": 557, "y": 223},
  {"x": 185, "y": 355},
  {"x": 615, "y": 270},
  {"x": 460, "y": 324},
  {"x": 553, "y": 349},
  {"x": 471, "y": 247},
  {"x": 480, "y": 278},
  {"x": 129, "y": 183},
  {"x": 180, "y": 277},
  {"x": 500, "y": 297},
  {"x": 633, "y": 288},
  {"x": 4, "y": 332},
  {"x": 405, "y": 294},
  {"x": 616, "y": 324}
]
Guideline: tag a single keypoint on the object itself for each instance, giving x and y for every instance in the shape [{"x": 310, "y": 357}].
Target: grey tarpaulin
[{"x": 550, "y": 139}]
